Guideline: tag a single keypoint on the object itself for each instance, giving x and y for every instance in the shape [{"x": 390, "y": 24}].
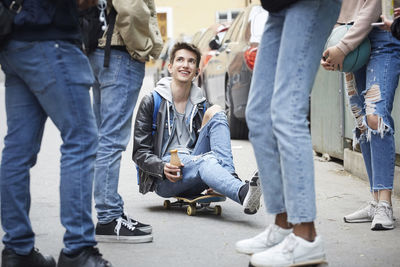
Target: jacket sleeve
[
  {"x": 137, "y": 25},
  {"x": 368, "y": 14},
  {"x": 143, "y": 140}
]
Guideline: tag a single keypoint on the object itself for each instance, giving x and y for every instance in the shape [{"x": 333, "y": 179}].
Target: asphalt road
[{"x": 206, "y": 239}]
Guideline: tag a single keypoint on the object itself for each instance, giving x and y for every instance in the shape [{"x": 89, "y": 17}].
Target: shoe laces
[
  {"x": 121, "y": 222},
  {"x": 289, "y": 244},
  {"x": 270, "y": 235},
  {"x": 384, "y": 210},
  {"x": 130, "y": 220}
]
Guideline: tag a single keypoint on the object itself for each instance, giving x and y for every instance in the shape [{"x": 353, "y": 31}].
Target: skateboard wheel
[
  {"x": 191, "y": 210},
  {"x": 167, "y": 204},
  {"x": 217, "y": 210}
]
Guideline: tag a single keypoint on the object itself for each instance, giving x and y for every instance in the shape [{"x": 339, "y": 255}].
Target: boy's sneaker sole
[
  {"x": 313, "y": 263},
  {"x": 124, "y": 239},
  {"x": 256, "y": 194}
]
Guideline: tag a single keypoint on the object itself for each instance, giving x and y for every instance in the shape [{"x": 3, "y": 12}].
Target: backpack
[{"x": 157, "y": 101}]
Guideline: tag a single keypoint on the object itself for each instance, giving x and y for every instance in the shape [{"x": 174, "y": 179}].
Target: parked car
[
  {"x": 214, "y": 32},
  {"x": 227, "y": 73}
]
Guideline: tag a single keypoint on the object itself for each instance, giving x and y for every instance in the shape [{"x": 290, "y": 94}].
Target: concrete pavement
[{"x": 208, "y": 240}]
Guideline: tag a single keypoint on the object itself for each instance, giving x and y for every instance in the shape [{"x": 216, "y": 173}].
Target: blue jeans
[
  {"x": 115, "y": 92},
  {"x": 47, "y": 79},
  {"x": 286, "y": 64},
  {"x": 209, "y": 165},
  {"x": 371, "y": 91}
]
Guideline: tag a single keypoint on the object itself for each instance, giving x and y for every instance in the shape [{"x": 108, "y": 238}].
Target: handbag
[
  {"x": 356, "y": 58},
  {"x": 276, "y": 5},
  {"x": 7, "y": 18}
]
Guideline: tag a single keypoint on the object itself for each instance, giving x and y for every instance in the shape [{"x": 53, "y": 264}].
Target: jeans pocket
[{"x": 73, "y": 64}]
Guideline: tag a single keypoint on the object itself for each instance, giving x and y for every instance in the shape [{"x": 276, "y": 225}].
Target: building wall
[{"x": 186, "y": 17}]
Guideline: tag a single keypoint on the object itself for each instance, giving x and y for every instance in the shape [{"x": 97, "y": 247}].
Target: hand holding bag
[{"x": 356, "y": 58}]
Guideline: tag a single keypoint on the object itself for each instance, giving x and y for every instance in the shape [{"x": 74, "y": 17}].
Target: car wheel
[{"x": 238, "y": 128}]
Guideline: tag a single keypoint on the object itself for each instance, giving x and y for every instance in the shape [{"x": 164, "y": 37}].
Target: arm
[
  {"x": 136, "y": 25},
  {"x": 335, "y": 55},
  {"x": 143, "y": 146},
  {"x": 143, "y": 140}
]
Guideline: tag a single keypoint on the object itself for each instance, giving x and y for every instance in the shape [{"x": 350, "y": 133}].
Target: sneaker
[
  {"x": 365, "y": 214},
  {"x": 121, "y": 231},
  {"x": 293, "y": 250},
  {"x": 89, "y": 256},
  {"x": 383, "y": 219},
  {"x": 251, "y": 203},
  {"x": 272, "y": 236},
  {"x": 141, "y": 226},
  {"x": 34, "y": 259}
]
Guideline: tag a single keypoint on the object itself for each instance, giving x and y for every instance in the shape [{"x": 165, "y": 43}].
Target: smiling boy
[{"x": 202, "y": 139}]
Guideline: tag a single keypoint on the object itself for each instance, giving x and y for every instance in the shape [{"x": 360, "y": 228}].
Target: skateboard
[{"x": 197, "y": 203}]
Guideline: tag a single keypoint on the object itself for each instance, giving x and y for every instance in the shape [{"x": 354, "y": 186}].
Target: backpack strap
[
  {"x": 110, "y": 30},
  {"x": 157, "y": 101}
]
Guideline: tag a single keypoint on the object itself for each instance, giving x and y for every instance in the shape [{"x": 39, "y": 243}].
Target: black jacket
[{"x": 147, "y": 148}]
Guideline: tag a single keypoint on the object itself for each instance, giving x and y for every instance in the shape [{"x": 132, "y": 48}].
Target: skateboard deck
[{"x": 197, "y": 203}]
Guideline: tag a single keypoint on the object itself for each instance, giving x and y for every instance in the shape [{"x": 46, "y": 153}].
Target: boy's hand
[
  {"x": 171, "y": 172},
  {"x": 85, "y": 4}
]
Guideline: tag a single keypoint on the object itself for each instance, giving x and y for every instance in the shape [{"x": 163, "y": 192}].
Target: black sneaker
[
  {"x": 88, "y": 257},
  {"x": 141, "y": 226},
  {"x": 121, "y": 231},
  {"x": 34, "y": 259}
]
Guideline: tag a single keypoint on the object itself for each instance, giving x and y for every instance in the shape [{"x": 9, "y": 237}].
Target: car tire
[{"x": 238, "y": 128}]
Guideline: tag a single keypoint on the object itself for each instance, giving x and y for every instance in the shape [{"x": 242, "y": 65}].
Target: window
[{"x": 226, "y": 16}]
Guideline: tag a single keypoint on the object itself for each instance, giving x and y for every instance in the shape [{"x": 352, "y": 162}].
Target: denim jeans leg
[
  {"x": 215, "y": 136},
  {"x": 25, "y": 123},
  {"x": 61, "y": 87},
  {"x": 115, "y": 94},
  {"x": 283, "y": 144},
  {"x": 382, "y": 78},
  {"x": 199, "y": 173},
  {"x": 258, "y": 115}
]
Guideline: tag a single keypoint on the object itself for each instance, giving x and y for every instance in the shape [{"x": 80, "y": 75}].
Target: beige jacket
[{"x": 136, "y": 28}]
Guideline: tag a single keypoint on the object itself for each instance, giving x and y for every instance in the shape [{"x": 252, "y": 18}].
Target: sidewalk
[{"x": 208, "y": 240}]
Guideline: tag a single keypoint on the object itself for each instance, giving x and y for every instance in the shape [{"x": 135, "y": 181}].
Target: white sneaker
[
  {"x": 272, "y": 236},
  {"x": 383, "y": 219},
  {"x": 251, "y": 202},
  {"x": 292, "y": 251},
  {"x": 365, "y": 214}
]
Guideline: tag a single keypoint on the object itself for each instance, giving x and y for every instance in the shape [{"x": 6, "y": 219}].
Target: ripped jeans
[
  {"x": 370, "y": 91},
  {"x": 209, "y": 165}
]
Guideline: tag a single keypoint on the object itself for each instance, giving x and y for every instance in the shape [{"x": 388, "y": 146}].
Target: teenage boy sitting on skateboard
[{"x": 201, "y": 138}]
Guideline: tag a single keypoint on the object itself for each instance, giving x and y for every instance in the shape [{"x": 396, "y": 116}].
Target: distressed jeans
[
  {"x": 371, "y": 91},
  {"x": 115, "y": 93},
  {"x": 47, "y": 79},
  {"x": 209, "y": 165},
  {"x": 286, "y": 64}
]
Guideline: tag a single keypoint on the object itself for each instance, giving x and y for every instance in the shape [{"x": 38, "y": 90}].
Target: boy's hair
[{"x": 186, "y": 46}]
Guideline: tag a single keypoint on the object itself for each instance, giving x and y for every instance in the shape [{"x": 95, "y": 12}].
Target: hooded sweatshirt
[{"x": 179, "y": 126}]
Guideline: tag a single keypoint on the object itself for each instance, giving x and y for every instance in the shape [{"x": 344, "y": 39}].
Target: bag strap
[
  {"x": 157, "y": 101},
  {"x": 110, "y": 30}
]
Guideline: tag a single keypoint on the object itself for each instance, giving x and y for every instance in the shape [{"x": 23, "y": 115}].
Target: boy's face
[{"x": 183, "y": 68}]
